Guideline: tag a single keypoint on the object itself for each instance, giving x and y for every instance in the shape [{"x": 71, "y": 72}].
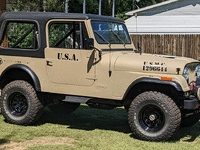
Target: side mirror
[{"x": 89, "y": 43}]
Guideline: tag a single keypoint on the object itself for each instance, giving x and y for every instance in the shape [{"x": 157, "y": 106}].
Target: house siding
[{"x": 164, "y": 24}]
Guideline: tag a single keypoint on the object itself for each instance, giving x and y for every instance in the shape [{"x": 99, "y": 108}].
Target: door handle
[{"x": 49, "y": 63}]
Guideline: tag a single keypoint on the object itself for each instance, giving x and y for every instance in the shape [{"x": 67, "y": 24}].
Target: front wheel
[
  {"x": 20, "y": 104},
  {"x": 154, "y": 116}
]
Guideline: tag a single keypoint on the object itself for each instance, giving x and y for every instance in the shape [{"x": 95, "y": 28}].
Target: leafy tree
[
  {"x": 16, "y": 30},
  {"x": 56, "y": 32},
  {"x": 76, "y": 6},
  {"x": 25, "y": 5},
  {"x": 144, "y": 3},
  {"x": 122, "y": 6},
  {"x": 106, "y": 8},
  {"x": 55, "y": 6}
]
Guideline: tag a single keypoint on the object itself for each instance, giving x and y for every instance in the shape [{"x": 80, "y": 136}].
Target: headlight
[
  {"x": 197, "y": 71},
  {"x": 186, "y": 73}
]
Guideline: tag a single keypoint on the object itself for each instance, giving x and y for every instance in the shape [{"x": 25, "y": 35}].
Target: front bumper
[{"x": 192, "y": 102}]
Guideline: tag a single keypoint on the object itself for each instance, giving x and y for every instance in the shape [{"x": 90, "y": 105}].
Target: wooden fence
[{"x": 177, "y": 45}]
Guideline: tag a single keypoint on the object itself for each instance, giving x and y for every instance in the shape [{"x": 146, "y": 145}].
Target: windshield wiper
[
  {"x": 99, "y": 35},
  {"x": 117, "y": 36}
]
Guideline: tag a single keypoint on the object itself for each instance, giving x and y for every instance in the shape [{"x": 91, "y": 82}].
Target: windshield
[{"x": 112, "y": 32}]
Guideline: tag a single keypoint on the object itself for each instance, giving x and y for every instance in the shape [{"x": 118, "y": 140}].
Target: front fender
[{"x": 175, "y": 84}]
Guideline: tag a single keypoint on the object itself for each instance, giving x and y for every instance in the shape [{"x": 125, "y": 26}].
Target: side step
[{"x": 76, "y": 99}]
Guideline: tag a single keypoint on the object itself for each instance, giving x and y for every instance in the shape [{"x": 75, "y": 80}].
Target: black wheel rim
[
  {"x": 17, "y": 104},
  {"x": 151, "y": 118}
]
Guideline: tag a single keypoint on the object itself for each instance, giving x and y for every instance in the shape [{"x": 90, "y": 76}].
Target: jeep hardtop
[{"x": 60, "y": 60}]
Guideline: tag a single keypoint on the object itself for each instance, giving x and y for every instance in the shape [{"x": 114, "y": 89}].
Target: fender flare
[
  {"x": 176, "y": 85},
  {"x": 27, "y": 70}
]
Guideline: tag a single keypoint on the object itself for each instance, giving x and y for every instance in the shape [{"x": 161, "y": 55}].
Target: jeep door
[{"x": 67, "y": 60}]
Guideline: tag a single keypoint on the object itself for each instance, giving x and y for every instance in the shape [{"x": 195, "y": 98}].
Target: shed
[
  {"x": 2, "y": 6},
  {"x": 171, "y": 27},
  {"x": 2, "y": 10}
]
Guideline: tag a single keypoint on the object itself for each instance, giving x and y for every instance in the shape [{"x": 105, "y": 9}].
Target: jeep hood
[{"x": 150, "y": 63}]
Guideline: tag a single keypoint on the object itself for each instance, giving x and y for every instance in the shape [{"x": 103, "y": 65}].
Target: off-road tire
[
  {"x": 190, "y": 120},
  {"x": 154, "y": 116},
  {"x": 20, "y": 104},
  {"x": 64, "y": 107}
]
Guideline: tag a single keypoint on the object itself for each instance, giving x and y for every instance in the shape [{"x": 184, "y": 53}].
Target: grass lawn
[{"x": 86, "y": 129}]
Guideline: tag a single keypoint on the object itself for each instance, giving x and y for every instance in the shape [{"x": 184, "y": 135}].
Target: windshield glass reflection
[{"x": 114, "y": 33}]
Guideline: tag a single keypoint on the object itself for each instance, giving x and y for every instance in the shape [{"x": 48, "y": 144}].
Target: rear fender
[{"x": 27, "y": 70}]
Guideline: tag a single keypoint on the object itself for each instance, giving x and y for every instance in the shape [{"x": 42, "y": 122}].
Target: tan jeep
[{"x": 61, "y": 60}]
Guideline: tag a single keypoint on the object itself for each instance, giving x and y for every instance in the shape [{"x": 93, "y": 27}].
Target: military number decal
[
  {"x": 154, "y": 66},
  {"x": 67, "y": 56}
]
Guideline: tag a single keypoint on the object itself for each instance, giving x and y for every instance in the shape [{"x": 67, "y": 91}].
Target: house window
[
  {"x": 21, "y": 35},
  {"x": 69, "y": 35}
]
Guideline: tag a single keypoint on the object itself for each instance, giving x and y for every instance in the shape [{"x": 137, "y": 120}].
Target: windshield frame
[{"x": 113, "y": 35}]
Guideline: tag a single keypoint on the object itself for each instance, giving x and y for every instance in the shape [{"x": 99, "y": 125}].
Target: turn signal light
[{"x": 166, "y": 79}]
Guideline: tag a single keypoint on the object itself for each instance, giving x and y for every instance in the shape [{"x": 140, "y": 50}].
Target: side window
[
  {"x": 21, "y": 35},
  {"x": 67, "y": 35}
]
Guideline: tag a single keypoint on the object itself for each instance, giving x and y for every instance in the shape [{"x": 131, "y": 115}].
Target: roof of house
[{"x": 131, "y": 13}]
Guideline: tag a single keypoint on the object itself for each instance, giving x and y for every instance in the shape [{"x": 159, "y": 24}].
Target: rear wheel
[
  {"x": 154, "y": 116},
  {"x": 19, "y": 103}
]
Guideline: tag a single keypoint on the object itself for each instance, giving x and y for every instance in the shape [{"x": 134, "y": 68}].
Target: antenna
[
  {"x": 136, "y": 30},
  {"x": 136, "y": 21},
  {"x": 139, "y": 49},
  {"x": 110, "y": 71}
]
